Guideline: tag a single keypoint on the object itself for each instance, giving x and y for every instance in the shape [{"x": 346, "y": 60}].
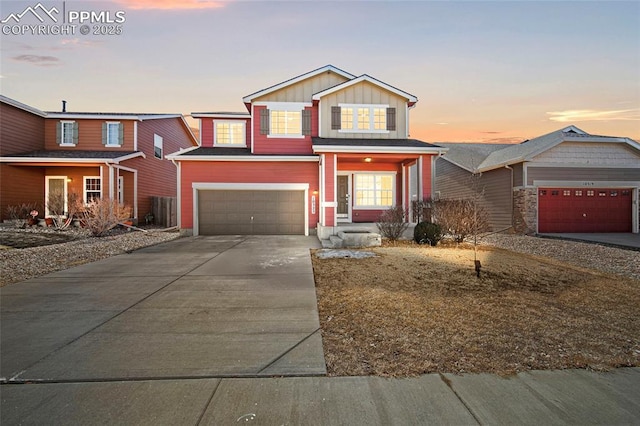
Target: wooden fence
[{"x": 164, "y": 211}]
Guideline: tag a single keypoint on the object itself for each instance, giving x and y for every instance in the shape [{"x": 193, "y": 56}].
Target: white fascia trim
[
  {"x": 284, "y": 106},
  {"x": 585, "y": 166},
  {"x": 175, "y": 155},
  {"x": 251, "y": 186},
  {"x": 369, "y": 79},
  {"x": 66, "y": 116},
  {"x": 586, "y": 184},
  {"x": 244, "y": 115},
  {"x": 22, "y": 106},
  {"x": 129, "y": 157},
  {"x": 297, "y": 79},
  {"x": 376, "y": 150},
  {"x": 56, "y": 160},
  {"x": 158, "y": 117},
  {"x": 250, "y": 158}
]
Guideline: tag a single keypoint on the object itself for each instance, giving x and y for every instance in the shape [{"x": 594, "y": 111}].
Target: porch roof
[
  {"x": 208, "y": 153},
  {"x": 72, "y": 155},
  {"x": 375, "y": 145}
]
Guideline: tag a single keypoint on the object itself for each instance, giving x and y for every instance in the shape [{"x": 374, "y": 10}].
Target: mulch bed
[{"x": 414, "y": 310}]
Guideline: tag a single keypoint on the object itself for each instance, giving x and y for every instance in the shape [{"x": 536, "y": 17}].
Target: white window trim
[
  {"x": 62, "y": 123},
  {"x": 371, "y": 118},
  {"x": 117, "y": 144},
  {"x": 288, "y": 107},
  {"x": 230, "y": 145},
  {"x": 155, "y": 137},
  {"x": 393, "y": 188},
  {"x": 84, "y": 187},
  {"x": 47, "y": 213}
]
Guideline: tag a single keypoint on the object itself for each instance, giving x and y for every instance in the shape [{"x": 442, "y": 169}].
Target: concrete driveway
[{"x": 197, "y": 307}]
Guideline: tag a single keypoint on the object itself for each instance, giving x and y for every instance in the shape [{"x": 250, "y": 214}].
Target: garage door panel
[
  {"x": 584, "y": 210},
  {"x": 251, "y": 212}
]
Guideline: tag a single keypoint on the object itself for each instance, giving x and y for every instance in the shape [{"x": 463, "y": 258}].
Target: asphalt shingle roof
[
  {"x": 72, "y": 153},
  {"x": 413, "y": 143},
  {"x": 207, "y": 150}
]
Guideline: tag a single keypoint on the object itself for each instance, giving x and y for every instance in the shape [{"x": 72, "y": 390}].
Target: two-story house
[
  {"x": 312, "y": 153},
  {"x": 115, "y": 155}
]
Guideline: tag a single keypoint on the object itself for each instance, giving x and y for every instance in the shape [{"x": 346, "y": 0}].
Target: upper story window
[
  {"x": 67, "y": 133},
  {"x": 285, "y": 120},
  {"x": 112, "y": 133},
  {"x": 229, "y": 133},
  {"x": 350, "y": 118},
  {"x": 157, "y": 146}
]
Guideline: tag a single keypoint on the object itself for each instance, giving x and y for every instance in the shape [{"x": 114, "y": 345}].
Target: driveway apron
[{"x": 196, "y": 307}]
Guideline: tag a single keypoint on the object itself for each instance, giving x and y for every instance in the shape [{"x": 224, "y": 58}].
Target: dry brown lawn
[{"x": 414, "y": 309}]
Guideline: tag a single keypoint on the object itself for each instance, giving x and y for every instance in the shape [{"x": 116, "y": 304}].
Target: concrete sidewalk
[{"x": 532, "y": 398}]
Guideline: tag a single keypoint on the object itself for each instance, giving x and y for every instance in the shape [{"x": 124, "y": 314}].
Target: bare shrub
[
  {"x": 423, "y": 210},
  {"x": 103, "y": 214},
  {"x": 62, "y": 210},
  {"x": 20, "y": 212},
  {"x": 392, "y": 223},
  {"x": 461, "y": 218}
]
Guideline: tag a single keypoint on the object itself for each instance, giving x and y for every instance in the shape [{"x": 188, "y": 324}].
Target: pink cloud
[{"x": 172, "y": 4}]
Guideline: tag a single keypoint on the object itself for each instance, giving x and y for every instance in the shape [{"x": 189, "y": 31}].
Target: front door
[
  {"x": 343, "y": 197},
  {"x": 55, "y": 196}
]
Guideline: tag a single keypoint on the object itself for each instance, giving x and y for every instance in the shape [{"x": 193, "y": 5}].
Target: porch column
[
  {"x": 329, "y": 196},
  {"x": 425, "y": 163}
]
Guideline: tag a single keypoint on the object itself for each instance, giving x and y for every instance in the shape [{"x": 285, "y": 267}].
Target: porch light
[
  {"x": 69, "y": 180},
  {"x": 367, "y": 159}
]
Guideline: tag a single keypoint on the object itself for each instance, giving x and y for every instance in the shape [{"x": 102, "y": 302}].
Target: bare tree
[
  {"x": 392, "y": 223},
  {"x": 62, "y": 210}
]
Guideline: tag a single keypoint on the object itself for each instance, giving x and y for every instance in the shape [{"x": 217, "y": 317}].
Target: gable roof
[
  {"x": 252, "y": 96},
  {"x": 485, "y": 157},
  {"x": 364, "y": 77}
]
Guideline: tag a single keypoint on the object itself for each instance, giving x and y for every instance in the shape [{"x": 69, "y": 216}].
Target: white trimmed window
[
  {"x": 229, "y": 133},
  {"x": 285, "y": 123},
  {"x": 113, "y": 134},
  {"x": 374, "y": 190},
  {"x": 157, "y": 146},
  {"x": 363, "y": 118},
  {"x": 67, "y": 133},
  {"x": 92, "y": 188}
]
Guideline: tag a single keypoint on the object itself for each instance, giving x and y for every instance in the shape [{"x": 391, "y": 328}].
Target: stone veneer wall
[{"x": 525, "y": 202}]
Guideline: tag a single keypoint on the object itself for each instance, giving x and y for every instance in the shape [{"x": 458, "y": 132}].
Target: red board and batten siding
[
  {"x": 263, "y": 144},
  {"x": 244, "y": 172},
  {"x": 206, "y": 130}
]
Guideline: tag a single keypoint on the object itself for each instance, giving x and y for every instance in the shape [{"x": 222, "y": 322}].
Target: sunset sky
[{"x": 482, "y": 71}]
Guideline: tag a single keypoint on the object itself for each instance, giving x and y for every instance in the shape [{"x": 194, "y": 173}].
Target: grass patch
[{"x": 414, "y": 310}]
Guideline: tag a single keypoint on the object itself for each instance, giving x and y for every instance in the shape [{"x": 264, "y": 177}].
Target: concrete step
[{"x": 336, "y": 241}]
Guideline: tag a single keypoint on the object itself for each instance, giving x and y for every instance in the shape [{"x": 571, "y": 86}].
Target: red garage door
[{"x": 584, "y": 210}]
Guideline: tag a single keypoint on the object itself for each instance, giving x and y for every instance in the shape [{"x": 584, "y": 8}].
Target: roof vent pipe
[{"x": 64, "y": 106}]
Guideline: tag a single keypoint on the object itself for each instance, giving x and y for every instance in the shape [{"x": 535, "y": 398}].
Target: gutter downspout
[{"x": 511, "y": 193}]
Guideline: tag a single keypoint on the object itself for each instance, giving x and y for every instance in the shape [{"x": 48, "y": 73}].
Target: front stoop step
[{"x": 336, "y": 242}]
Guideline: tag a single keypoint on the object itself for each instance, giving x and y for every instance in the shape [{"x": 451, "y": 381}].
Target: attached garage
[
  {"x": 251, "y": 209},
  {"x": 572, "y": 210}
]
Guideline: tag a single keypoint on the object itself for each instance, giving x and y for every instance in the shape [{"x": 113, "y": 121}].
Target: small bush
[
  {"x": 392, "y": 223},
  {"x": 103, "y": 214},
  {"x": 427, "y": 233},
  {"x": 462, "y": 218},
  {"x": 20, "y": 211}
]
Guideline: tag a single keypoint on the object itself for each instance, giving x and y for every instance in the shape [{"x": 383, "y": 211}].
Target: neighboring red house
[
  {"x": 312, "y": 153},
  {"x": 115, "y": 155}
]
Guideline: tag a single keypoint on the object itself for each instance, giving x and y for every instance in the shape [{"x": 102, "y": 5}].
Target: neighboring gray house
[{"x": 564, "y": 181}]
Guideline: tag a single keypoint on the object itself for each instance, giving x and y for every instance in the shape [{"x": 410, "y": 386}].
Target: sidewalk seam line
[
  {"x": 289, "y": 350},
  {"x": 448, "y": 383},
  {"x": 206, "y": 406}
]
